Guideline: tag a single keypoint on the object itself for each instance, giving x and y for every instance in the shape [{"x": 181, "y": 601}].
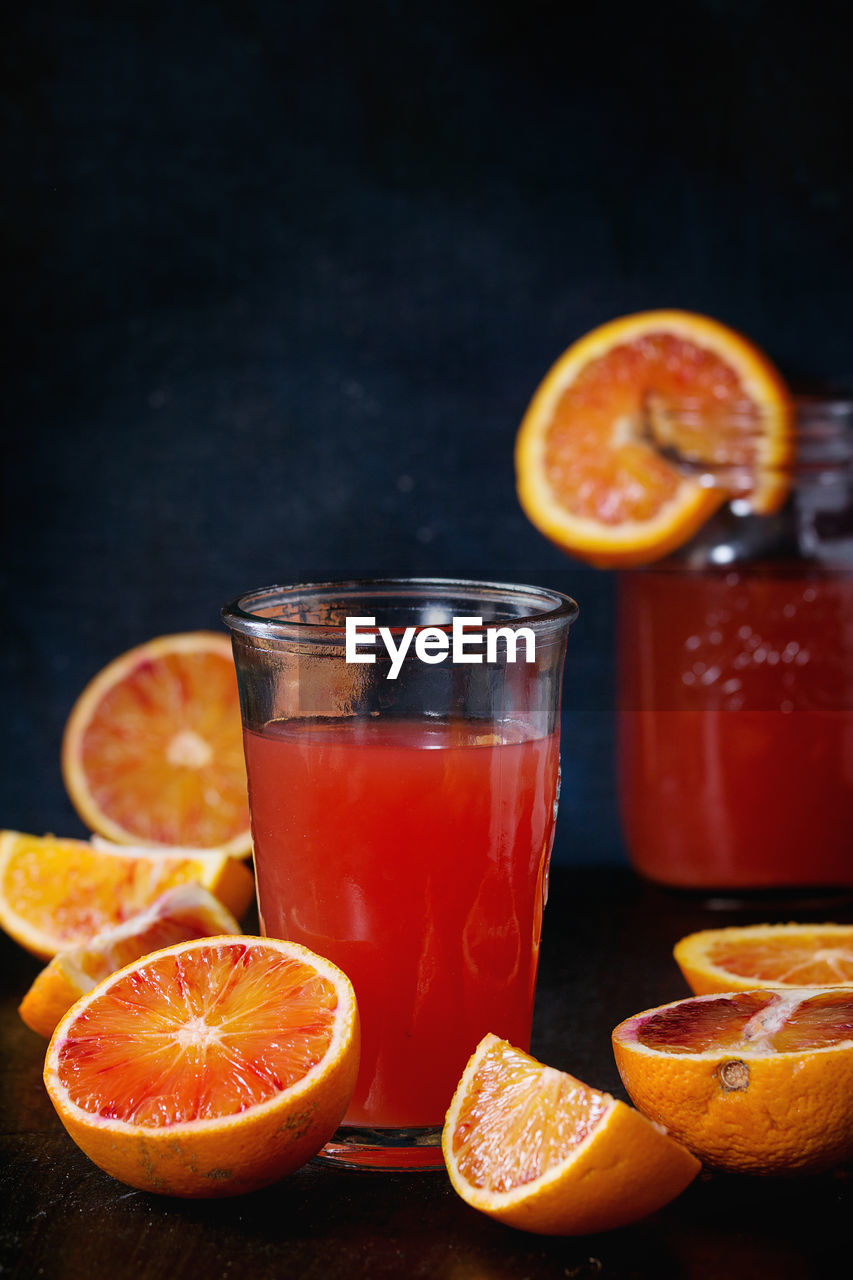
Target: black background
[{"x": 282, "y": 278}]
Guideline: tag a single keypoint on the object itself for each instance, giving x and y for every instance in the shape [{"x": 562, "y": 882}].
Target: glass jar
[{"x": 735, "y": 681}]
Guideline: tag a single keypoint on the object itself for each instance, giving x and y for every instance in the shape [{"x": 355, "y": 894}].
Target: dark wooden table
[{"x": 606, "y": 954}]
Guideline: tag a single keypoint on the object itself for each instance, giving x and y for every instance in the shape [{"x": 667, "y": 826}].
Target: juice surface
[
  {"x": 736, "y": 726},
  {"x": 414, "y": 856}
]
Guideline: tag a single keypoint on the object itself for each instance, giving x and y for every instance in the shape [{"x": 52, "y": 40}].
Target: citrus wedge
[
  {"x": 751, "y": 1081},
  {"x": 56, "y": 894},
  {"x": 590, "y": 471},
  {"x": 185, "y": 912},
  {"x": 767, "y": 955},
  {"x": 153, "y": 749},
  {"x": 209, "y": 1068},
  {"x": 537, "y": 1149}
]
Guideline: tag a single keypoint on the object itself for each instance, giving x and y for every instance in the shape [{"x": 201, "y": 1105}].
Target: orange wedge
[
  {"x": 153, "y": 749},
  {"x": 539, "y": 1150},
  {"x": 185, "y": 912},
  {"x": 56, "y": 894},
  {"x": 590, "y": 471},
  {"x": 750, "y": 1081},
  {"x": 767, "y": 955},
  {"x": 209, "y": 1068}
]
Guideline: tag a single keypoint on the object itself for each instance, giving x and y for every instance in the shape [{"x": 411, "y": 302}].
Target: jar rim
[
  {"x": 727, "y": 444},
  {"x": 798, "y": 409}
]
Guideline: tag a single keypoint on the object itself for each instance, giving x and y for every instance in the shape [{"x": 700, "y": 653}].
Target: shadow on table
[{"x": 335, "y": 1224}]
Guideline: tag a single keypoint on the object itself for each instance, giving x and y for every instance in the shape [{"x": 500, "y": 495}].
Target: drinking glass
[{"x": 403, "y": 816}]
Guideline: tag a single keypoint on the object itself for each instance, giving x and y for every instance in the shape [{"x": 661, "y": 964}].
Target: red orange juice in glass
[
  {"x": 403, "y": 826},
  {"x": 414, "y": 856}
]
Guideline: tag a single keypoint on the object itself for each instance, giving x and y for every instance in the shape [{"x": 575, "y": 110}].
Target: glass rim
[{"x": 238, "y": 616}]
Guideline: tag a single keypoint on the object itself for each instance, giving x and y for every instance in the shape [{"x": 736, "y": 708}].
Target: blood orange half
[
  {"x": 209, "y": 1068},
  {"x": 768, "y": 955},
  {"x": 750, "y": 1081},
  {"x": 153, "y": 749}
]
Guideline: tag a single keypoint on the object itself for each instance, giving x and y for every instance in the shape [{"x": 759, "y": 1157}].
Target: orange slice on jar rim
[{"x": 643, "y": 428}]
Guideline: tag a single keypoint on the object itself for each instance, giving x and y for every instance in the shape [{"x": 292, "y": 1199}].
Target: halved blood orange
[
  {"x": 539, "y": 1150},
  {"x": 209, "y": 1068},
  {"x": 590, "y": 474},
  {"x": 56, "y": 894},
  {"x": 185, "y": 912},
  {"x": 767, "y": 955},
  {"x": 153, "y": 748},
  {"x": 751, "y": 1081}
]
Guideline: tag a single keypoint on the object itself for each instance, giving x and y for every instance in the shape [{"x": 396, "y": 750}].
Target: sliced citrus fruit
[
  {"x": 185, "y": 912},
  {"x": 153, "y": 749},
  {"x": 590, "y": 473},
  {"x": 751, "y": 1081},
  {"x": 209, "y": 1068},
  {"x": 767, "y": 955},
  {"x": 538, "y": 1149},
  {"x": 56, "y": 894}
]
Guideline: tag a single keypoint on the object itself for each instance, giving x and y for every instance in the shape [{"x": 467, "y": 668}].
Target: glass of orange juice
[{"x": 403, "y": 793}]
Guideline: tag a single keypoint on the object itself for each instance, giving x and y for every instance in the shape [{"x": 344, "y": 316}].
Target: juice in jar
[
  {"x": 413, "y": 854},
  {"x": 736, "y": 725}
]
